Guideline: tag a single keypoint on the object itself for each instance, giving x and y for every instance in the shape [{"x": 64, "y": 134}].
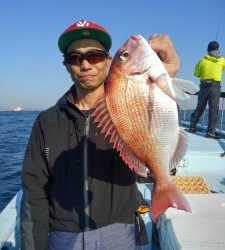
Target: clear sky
[{"x": 31, "y": 70}]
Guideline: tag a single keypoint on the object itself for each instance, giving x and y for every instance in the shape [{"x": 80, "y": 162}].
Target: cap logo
[{"x": 82, "y": 24}]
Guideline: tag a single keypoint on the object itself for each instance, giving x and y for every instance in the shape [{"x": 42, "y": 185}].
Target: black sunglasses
[{"x": 93, "y": 57}]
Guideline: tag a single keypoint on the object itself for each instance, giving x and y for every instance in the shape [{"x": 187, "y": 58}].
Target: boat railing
[
  {"x": 183, "y": 106},
  {"x": 9, "y": 224}
]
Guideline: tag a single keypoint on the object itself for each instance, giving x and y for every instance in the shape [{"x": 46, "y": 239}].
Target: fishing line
[{"x": 220, "y": 22}]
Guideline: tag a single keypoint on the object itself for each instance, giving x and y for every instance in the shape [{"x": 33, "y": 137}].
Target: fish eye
[{"x": 123, "y": 56}]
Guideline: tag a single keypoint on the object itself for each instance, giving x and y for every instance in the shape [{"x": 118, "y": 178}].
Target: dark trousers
[
  {"x": 113, "y": 237},
  {"x": 209, "y": 93}
]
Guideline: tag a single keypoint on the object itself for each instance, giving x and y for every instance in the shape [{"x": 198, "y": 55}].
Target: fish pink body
[{"x": 139, "y": 114}]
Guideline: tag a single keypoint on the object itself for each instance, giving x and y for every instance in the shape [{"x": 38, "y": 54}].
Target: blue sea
[{"x": 15, "y": 128}]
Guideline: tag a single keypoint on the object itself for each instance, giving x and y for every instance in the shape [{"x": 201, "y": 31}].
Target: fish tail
[{"x": 163, "y": 198}]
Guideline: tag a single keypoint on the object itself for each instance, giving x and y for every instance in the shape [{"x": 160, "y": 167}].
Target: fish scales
[
  {"x": 127, "y": 114},
  {"x": 136, "y": 115}
]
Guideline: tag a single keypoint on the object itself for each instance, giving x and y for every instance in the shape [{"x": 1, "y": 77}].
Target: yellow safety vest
[{"x": 210, "y": 68}]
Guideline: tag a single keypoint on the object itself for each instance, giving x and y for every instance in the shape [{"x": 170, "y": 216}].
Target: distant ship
[{"x": 18, "y": 109}]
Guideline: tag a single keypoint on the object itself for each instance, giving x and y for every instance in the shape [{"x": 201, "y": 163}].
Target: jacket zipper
[{"x": 85, "y": 169}]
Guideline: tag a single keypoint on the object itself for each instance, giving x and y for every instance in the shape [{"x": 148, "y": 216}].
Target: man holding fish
[{"x": 78, "y": 192}]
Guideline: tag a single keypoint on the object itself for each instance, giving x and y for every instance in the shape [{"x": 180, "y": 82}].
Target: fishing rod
[{"x": 220, "y": 22}]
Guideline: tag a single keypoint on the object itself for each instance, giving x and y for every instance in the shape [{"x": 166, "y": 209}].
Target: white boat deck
[{"x": 204, "y": 158}]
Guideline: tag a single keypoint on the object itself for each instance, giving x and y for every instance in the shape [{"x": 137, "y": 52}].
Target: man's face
[{"x": 85, "y": 72}]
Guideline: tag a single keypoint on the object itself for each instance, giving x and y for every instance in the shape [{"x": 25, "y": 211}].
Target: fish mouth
[{"x": 136, "y": 37}]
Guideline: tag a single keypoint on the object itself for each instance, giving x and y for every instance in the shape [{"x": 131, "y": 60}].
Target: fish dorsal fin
[
  {"x": 180, "y": 149},
  {"x": 163, "y": 83},
  {"x": 106, "y": 126}
]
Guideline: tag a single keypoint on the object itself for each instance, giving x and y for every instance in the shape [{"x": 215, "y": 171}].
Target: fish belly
[{"x": 147, "y": 121}]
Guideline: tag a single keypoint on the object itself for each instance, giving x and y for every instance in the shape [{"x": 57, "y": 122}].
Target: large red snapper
[{"x": 139, "y": 114}]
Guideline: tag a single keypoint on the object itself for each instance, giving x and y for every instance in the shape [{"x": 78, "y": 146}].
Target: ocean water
[{"x": 15, "y": 128}]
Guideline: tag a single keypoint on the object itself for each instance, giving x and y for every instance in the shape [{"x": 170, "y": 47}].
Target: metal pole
[
  {"x": 185, "y": 104},
  {"x": 221, "y": 122}
]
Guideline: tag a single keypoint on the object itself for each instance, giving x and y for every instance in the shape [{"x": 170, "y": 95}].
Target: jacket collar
[{"x": 66, "y": 103}]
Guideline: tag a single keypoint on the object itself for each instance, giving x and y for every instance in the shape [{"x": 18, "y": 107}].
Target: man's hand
[{"x": 165, "y": 50}]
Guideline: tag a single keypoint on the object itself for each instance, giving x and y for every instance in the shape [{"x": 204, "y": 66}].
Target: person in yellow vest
[{"x": 209, "y": 69}]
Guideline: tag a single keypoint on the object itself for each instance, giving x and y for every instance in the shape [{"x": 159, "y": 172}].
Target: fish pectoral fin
[
  {"x": 106, "y": 126},
  {"x": 163, "y": 83},
  {"x": 183, "y": 88},
  {"x": 167, "y": 197}
]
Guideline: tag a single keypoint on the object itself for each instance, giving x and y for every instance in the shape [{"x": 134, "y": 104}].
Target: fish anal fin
[
  {"x": 106, "y": 127},
  {"x": 164, "y": 198},
  {"x": 180, "y": 149}
]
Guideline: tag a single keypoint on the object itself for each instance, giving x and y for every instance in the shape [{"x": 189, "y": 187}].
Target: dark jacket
[{"x": 72, "y": 179}]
